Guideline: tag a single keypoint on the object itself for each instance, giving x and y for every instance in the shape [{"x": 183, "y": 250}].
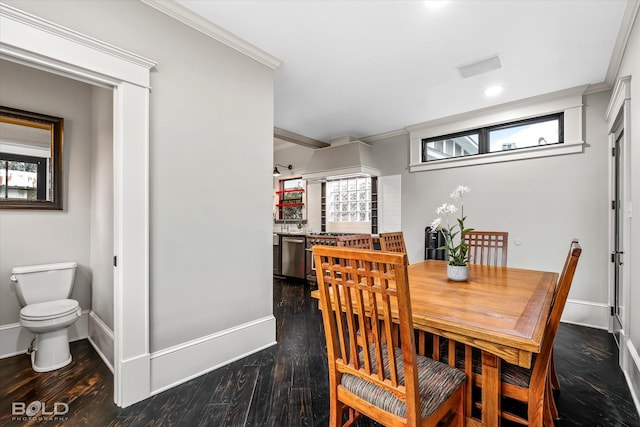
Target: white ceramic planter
[{"x": 458, "y": 273}]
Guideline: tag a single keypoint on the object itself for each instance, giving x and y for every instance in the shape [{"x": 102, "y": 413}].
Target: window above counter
[{"x": 290, "y": 201}]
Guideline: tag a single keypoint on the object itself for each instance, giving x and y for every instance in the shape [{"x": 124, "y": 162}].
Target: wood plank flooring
[{"x": 286, "y": 385}]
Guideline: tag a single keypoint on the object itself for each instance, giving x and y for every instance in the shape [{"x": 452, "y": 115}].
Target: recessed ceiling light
[{"x": 493, "y": 90}]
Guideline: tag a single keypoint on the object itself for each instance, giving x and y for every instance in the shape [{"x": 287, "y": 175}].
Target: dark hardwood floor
[{"x": 286, "y": 385}]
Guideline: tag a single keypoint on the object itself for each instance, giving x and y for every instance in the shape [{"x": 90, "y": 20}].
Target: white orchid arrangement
[{"x": 457, "y": 249}]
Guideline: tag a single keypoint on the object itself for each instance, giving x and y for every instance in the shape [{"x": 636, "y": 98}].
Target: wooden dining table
[{"x": 502, "y": 311}]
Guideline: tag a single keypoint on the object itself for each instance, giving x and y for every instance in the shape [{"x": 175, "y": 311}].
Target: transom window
[{"x": 528, "y": 133}]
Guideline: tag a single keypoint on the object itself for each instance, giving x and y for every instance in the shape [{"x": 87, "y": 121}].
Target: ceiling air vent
[{"x": 480, "y": 67}]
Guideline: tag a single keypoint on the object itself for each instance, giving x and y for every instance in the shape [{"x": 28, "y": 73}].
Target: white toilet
[{"x": 44, "y": 291}]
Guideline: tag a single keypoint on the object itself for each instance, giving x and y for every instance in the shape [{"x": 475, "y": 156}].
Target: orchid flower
[
  {"x": 460, "y": 191},
  {"x": 453, "y": 234}
]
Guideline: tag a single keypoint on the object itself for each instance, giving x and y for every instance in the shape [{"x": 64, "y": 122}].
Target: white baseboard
[
  {"x": 101, "y": 338},
  {"x": 181, "y": 363},
  {"x": 14, "y": 339},
  {"x": 631, "y": 370},
  {"x": 586, "y": 313}
]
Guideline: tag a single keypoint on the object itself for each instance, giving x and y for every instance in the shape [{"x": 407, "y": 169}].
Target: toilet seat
[{"x": 49, "y": 310}]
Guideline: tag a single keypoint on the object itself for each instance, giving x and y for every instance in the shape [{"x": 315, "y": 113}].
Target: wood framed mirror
[{"x": 30, "y": 160}]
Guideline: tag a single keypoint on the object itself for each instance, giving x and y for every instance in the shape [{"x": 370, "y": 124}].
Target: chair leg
[
  {"x": 555, "y": 382},
  {"x": 353, "y": 417},
  {"x": 336, "y": 409},
  {"x": 461, "y": 415},
  {"x": 550, "y": 401},
  {"x": 548, "y": 418}
]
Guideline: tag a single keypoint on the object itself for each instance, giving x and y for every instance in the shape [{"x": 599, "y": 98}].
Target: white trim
[
  {"x": 27, "y": 37},
  {"x": 621, "y": 92},
  {"x": 35, "y": 42},
  {"x": 15, "y": 340},
  {"x": 626, "y": 26},
  {"x": 102, "y": 339},
  {"x": 569, "y": 101},
  {"x": 181, "y": 363},
  {"x": 502, "y": 156},
  {"x": 620, "y": 106},
  {"x": 586, "y": 313},
  {"x": 197, "y": 22},
  {"x": 631, "y": 370},
  {"x": 131, "y": 244}
]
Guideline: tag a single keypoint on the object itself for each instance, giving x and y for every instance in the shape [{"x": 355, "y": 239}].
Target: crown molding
[
  {"x": 198, "y": 23},
  {"x": 597, "y": 87},
  {"x": 628, "y": 19},
  {"x": 384, "y": 135}
]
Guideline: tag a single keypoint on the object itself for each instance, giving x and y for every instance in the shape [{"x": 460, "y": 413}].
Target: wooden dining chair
[
  {"x": 532, "y": 386},
  {"x": 553, "y": 374},
  {"x": 487, "y": 247},
  {"x": 366, "y": 293},
  {"x": 393, "y": 242},
  {"x": 359, "y": 241}
]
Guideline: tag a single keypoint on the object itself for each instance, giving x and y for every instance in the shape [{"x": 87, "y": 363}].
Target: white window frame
[{"x": 569, "y": 102}]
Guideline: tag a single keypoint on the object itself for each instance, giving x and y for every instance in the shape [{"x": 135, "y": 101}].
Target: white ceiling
[{"x": 362, "y": 68}]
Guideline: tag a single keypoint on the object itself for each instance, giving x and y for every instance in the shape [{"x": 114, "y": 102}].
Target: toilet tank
[{"x": 42, "y": 283}]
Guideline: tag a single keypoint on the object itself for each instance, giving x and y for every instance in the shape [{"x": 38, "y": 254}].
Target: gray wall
[
  {"x": 42, "y": 236},
  {"x": 543, "y": 203},
  {"x": 211, "y": 133}
]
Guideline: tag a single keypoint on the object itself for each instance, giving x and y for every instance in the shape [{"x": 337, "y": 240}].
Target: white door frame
[
  {"x": 619, "y": 114},
  {"x": 37, "y": 43}
]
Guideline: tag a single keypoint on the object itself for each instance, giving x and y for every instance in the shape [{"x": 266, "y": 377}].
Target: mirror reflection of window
[
  {"x": 30, "y": 160},
  {"x": 23, "y": 178}
]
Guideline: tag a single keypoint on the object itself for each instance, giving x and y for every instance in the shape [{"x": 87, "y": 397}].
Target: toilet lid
[{"x": 49, "y": 310}]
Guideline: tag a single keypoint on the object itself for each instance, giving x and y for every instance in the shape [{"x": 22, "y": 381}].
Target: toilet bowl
[
  {"x": 50, "y": 322},
  {"x": 47, "y": 311}
]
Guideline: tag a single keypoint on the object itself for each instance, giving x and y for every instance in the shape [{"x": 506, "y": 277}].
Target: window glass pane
[
  {"x": 18, "y": 180},
  {"x": 457, "y": 146},
  {"x": 292, "y": 201},
  {"x": 350, "y": 199},
  {"x": 3, "y": 179},
  {"x": 525, "y": 135}
]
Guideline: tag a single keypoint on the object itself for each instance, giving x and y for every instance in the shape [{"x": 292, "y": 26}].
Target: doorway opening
[{"x": 38, "y": 43}]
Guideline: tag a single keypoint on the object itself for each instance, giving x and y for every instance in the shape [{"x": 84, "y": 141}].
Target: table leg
[{"x": 490, "y": 390}]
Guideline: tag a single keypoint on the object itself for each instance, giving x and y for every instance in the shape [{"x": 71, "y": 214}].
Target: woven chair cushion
[
  {"x": 510, "y": 374},
  {"x": 436, "y": 381}
]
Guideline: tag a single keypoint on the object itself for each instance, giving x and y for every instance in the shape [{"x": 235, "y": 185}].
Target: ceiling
[{"x": 362, "y": 68}]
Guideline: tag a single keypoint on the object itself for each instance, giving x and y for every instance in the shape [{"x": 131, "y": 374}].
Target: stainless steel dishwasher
[{"x": 293, "y": 256}]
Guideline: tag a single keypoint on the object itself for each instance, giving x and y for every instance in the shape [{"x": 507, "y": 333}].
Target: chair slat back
[
  {"x": 359, "y": 241},
  {"x": 393, "y": 242},
  {"x": 361, "y": 292},
  {"x": 487, "y": 247},
  {"x": 539, "y": 374}
]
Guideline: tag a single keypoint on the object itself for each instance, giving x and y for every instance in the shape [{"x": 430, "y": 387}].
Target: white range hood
[{"x": 341, "y": 159}]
